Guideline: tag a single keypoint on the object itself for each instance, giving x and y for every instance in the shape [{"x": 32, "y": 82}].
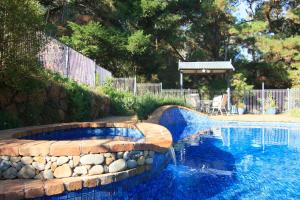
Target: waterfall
[{"x": 173, "y": 156}]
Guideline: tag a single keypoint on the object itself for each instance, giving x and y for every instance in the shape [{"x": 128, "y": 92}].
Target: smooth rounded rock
[
  {"x": 27, "y": 160},
  {"x": 131, "y": 164},
  {"x": 62, "y": 171},
  {"x": 4, "y": 165},
  {"x": 71, "y": 163},
  {"x": 118, "y": 165},
  {"x": 38, "y": 166},
  {"x": 53, "y": 166},
  {"x": 53, "y": 158},
  {"x": 62, "y": 160},
  {"x": 48, "y": 165},
  {"x": 10, "y": 173},
  {"x": 17, "y": 165},
  {"x": 146, "y": 153},
  {"x": 126, "y": 155},
  {"x": 106, "y": 155},
  {"x": 40, "y": 159},
  {"x": 48, "y": 174},
  {"x": 141, "y": 160},
  {"x": 81, "y": 170},
  {"x": 48, "y": 158},
  {"x": 95, "y": 170},
  {"x": 5, "y": 158},
  {"x": 27, "y": 172},
  {"x": 109, "y": 160},
  {"x": 15, "y": 159},
  {"x": 151, "y": 153},
  {"x": 76, "y": 160},
  {"x": 120, "y": 155},
  {"x": 91, "y": 159},
  {"x": 149, "y": 161}
]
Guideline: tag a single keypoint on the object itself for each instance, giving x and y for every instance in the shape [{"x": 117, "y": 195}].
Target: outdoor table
[{"x": 205, "y": 105}]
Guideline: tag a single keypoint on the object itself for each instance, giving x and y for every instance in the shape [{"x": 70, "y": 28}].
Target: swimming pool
[
  {"x": 230, "y": 161},
  {"x": 88, "y": 133}
]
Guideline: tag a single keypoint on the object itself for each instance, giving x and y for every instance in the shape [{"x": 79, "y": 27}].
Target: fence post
[
  {"x": 228, "y": 100},
  {"x": 263, "y": 97},
  {"x": 134, "y": 86},
  {"x": 161, "y": 87},
  {"x": 95, "y": 73},
  {"x": 289, "y": 100},
  {"x": 67, "y": 62}
]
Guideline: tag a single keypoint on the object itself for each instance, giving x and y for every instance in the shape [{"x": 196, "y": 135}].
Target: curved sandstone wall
[{"x": 69, "y": 165}]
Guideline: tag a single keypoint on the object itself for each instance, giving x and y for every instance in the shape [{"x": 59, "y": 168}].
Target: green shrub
[
  {"x": 7, "y": 120},
  {"x": 294, "y": 112},
  {"x": 122, "y": 103},
  {"x": 74, "y": 102},
  {"x": 146, "y": 104}
]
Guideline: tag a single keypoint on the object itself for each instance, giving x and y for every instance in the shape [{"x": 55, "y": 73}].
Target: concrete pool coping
[{"x": 156, "y": 138}]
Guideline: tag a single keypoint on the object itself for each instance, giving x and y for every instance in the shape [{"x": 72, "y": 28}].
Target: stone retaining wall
[
  {"x": 69, "y": 165},
  {"x": 49, "y": 167}
]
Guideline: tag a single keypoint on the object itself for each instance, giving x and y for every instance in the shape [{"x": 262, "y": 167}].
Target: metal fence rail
[{"x": 60, "y": 58}]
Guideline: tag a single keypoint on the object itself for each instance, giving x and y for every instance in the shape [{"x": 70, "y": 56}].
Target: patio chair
[
  {"x": 219, "y": 104},
  {"x": 193, "y": 100}
]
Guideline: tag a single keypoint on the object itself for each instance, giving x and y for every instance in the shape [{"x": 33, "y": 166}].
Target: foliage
[
  {"x": 294, "y": 113},
  {"x": 240, "y": 86},
  {"x": 122, "y": 103},
  {"x": 8, "y": 121},
  {"x": 44, "y": 103},
  {"x": 271, "y": 36},
  {"x": 147, "y": 103},
  {"x": 20, "y": 25},
  {"x": 269, "y": 102},
  {"x": 98, "y": 42},
  {"x": 138, "y": 43}
]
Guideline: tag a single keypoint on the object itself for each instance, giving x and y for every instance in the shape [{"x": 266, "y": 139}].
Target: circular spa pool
[
  {"x": 89, "y": 133},
  {"x": 230, "y": 161}
]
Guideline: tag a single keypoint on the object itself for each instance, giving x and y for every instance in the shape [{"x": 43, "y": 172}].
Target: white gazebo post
[
  {"x": 263, "y": 97},
  {"x": 181, "y": 80}
]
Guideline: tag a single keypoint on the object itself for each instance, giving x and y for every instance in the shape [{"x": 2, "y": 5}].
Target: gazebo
[{"x": 205, "y": 69}]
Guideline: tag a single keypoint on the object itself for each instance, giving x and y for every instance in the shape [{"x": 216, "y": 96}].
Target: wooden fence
[
  {"x": 62, "y": 59},
  {"x": 125, "y": 84},
  {"x": 153, "y": 88},
  {"x": 178, "y": 92}
]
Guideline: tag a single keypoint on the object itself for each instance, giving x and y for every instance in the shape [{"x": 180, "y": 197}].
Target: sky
[{"x": 241, "y": 14}]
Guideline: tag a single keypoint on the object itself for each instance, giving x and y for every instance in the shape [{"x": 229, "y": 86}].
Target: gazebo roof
[{"x": 210, "y": 67}]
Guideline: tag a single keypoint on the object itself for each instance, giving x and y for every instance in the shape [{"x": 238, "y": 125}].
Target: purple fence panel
[
  {"x": 102, "y": 75},
  {"x": 81, "y": 68},
  {"x": 53, "y": 56}
]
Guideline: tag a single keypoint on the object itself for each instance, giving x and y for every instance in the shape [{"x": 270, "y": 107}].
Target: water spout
[{"x": 173, "y": 156}]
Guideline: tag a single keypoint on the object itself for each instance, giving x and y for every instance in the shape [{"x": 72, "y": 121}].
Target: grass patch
[{"x": 294, "y": 113}]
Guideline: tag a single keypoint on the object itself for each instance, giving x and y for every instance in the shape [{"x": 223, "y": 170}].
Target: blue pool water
[
  {"x": 245, "y": 161},
  {"x": 87, "y": 133}
]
